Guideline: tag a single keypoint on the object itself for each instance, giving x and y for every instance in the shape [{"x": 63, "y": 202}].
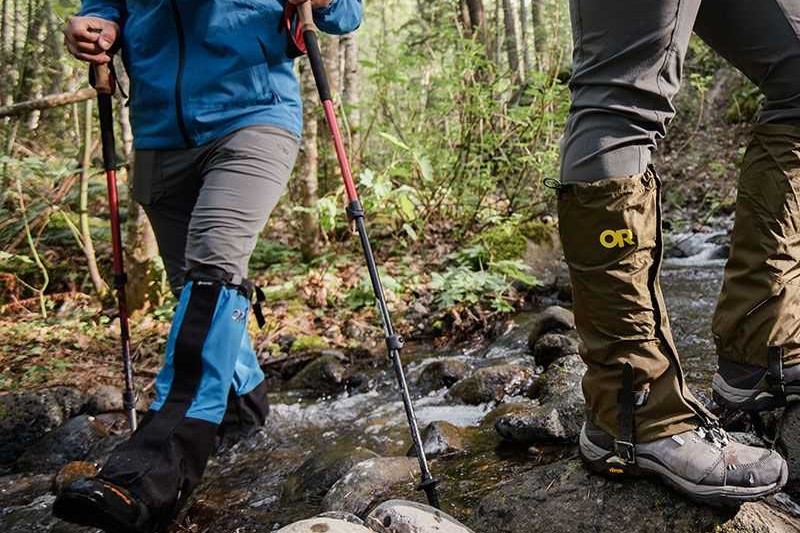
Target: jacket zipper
[
  {"x": 657, "y": 312},
  {"x": 179, "y": 76}
]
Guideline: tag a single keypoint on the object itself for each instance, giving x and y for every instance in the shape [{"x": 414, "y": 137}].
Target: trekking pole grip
[{"x": 103, "y": 79}]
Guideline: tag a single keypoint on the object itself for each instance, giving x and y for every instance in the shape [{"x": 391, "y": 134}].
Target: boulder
[
  {"x": 367, "y": 482},
  {"x": 440, "y": 439},
  {"x": 552, "y": 319},
  {"x": 324, "y": 525},
  {"x": 26, "y": 417},
  {"x": 71, "y": 442},
  {"x": 553, "y": 346},
  {"x": 323, "y": 375},
  {"x": 320, "y": 471},
  {"x": 400, "y": 516},
  {"x": 441, "y": 373},
  {"x": 563, "y": 498},
  {"x": 493, "y": 384},
  {"x": 558, "y": 416}
]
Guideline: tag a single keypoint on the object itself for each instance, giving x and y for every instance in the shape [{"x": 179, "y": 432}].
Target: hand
[
  {"x": 315, "y": 4},
  {"x": 91, "y": 38}
]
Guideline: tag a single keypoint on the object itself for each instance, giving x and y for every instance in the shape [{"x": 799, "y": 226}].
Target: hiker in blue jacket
[{"x": 216, "y": 113}]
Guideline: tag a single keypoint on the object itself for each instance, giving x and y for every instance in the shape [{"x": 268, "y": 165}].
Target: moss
[
  {"x": 308, "y": 343},
  {"x": 538, "y": 232},
  {"x": 501, "y": 243}
]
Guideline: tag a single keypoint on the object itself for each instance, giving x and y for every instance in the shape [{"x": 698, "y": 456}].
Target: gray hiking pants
[
  {"x": 627, "y": 68},
  {"x": 208, "y": 204}
]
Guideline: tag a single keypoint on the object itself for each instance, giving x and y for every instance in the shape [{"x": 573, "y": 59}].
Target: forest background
[{"x": 453, "y": 111}]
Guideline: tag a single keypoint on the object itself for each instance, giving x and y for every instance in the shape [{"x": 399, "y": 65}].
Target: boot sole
[
  {"x": 79, "y": 509},
  {"x": 596, "y": 458},
  {"x": 752, "y": 400}
]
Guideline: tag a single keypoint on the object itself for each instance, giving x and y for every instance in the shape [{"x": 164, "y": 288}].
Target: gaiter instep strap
[{"x": 624, "y": 445}]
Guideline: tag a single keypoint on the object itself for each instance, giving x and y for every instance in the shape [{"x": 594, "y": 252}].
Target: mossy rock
[
  {"x": 308, "y": 343},
  {"x": 510, "y": 241}
]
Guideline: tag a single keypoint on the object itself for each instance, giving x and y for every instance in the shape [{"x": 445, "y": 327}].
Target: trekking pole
[
  {"x": 394, "y": 342},
  {"x": 102, "y": 79}
]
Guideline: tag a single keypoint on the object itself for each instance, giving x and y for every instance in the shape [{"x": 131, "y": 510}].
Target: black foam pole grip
[
  {"x": 107, "y": 132},
  {"x": 317, "y": 65}
]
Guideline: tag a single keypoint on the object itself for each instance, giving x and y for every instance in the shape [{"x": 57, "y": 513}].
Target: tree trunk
[
  {"x": 86, "y": 233},
  {"x": 539, "y": 34},
  {"x": 141, "y": 252},
  {"x": 47, "y": 102},
  {"x": 511, "y": 42},
  {"x": 525, "y": 42},
  {"x": 477, "y": 20},
  {"x": 351, "y": 94},
  {"x": 308, "y": 166}
]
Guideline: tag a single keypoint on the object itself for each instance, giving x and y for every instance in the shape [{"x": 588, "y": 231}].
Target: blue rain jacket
[{"x": 201, "y": 69}]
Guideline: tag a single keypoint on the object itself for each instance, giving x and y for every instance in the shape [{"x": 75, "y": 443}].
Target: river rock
[
  {"x": 440, "y": 439},
  {"x": 558, "y": 416},
  {"x": 72, "y": 472},
  {"x": 552, "y": 346},
  {"x": 493, "y": 384},
  {"x": 320, "y": 471},
  {"x": 26, "y": 417},
  {"x": 367, "y": 482},
  {"x": 323, "y": 375},
  {"x": 324, "y": 525},
  {"x": 400, "y": 516},
  {"x": 71, "y": 442},
  {"x": 552, "y": 319},
  {"x": 564, "y": 498},
  {"x": 442, "y": 373}
]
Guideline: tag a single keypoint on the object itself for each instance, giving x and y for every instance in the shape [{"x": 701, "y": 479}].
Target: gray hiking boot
[
  {"x": 754, "y": 388},
  {"x": 702, "y": 464}
]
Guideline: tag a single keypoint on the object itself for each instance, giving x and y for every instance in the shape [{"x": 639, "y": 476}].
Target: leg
[
  {"x": 148, "y": 478},
  {"x": 755, "y": 326},
  {"x": 627, "y": 67},
  {"x": 641, "y": 417}
]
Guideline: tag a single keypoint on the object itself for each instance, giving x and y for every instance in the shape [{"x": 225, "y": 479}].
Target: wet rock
[
  {"x": 71, "y": 442},
  {"x": 493, "y": 384},
  {"x": 324, "y": 375},
  {"x": 552, "y": 319},
  {"x": 323, "y": 468},
  {"x": 26, "y": 417},
  {"x": 558, "y": 416},
  {"x": 72, "y": 472},
  {"x": 323, "y": 525},
  {"x": 563, "y": 498},
  {"x": 552, "y": 346},
  {"x": 439, "y": 439},
  {"x": 104, "y": 399},
  {"x": 400, "y": 516},
  {"x": 441, "y": 373},
  {"x": 367, "y": 482},
  {"x": 347, "y": 517}
]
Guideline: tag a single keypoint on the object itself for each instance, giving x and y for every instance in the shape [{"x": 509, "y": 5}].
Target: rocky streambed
[{"x": 501, "y": 419}]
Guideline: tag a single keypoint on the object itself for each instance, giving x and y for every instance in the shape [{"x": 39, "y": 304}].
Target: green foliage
[{"x": 308, "y": 343}]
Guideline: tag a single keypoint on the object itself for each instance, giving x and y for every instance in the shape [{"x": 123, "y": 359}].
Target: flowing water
[{"x": 244, "y": 491}]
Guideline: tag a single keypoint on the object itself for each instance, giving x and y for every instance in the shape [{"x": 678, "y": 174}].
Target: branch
[{"x": 47, "y": 102}]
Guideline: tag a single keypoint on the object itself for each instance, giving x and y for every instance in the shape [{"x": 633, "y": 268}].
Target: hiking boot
[
  {"x": 96, "y": 503},
  {"x": 702, "y": 464},
  {"x": 754, "y": 388}
]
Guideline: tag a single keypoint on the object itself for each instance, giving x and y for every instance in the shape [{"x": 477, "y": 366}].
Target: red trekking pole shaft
[
  {"x": 104, "y": 84},
  {"x": 394, "y": 342}
]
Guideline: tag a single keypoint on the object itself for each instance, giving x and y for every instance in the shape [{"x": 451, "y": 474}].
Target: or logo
[
  {"x": 238, "y": 315},
  {"x": 616, "y": 238}
]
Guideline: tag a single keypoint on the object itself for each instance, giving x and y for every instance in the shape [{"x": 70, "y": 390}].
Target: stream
[{"x": 253, "y": 487}]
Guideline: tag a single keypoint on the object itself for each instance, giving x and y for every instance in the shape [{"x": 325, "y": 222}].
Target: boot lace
[{"x": 715, "y": 435}]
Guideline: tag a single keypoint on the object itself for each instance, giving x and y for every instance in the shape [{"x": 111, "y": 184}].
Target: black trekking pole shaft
[
  {"x": 104, "y": 84},
  {"x": 394, "y": 342}
]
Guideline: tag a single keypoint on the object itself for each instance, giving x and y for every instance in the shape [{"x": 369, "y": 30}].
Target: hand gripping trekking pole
[
  {"x": 103, "y": 81},
  {"x": 394, "y": 342}
]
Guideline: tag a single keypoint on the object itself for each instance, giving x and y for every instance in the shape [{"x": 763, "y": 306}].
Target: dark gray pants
[
  {"x": 208, "y": 204},
  {"x": 627, "y": 68}
]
